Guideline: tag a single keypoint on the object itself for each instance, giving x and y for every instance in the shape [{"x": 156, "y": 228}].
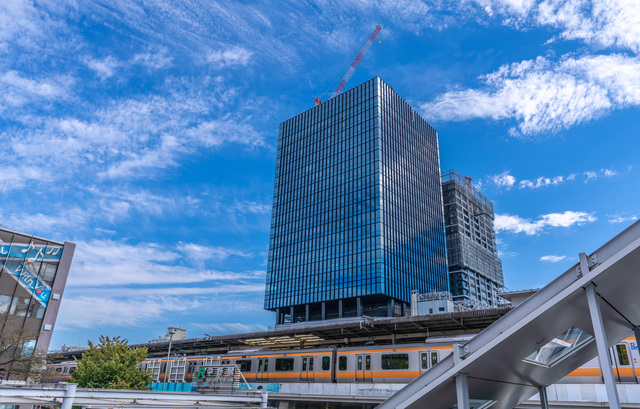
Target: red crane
[{"x": 353, "y": 66}]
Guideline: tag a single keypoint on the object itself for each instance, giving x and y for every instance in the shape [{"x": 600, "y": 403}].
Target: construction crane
[{"x": 353, "y": 66}]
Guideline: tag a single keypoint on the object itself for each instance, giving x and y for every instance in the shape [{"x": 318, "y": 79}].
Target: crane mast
[{"x": 353, "y": 66}]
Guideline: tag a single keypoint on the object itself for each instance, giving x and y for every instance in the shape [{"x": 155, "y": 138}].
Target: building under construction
[{"x": 475, "y": 271}]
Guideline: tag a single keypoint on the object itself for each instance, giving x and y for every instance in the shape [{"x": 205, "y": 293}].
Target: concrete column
[
  {"x": 323, "y": 310},
  {"x": 544, "y": 399},
  {"x": 339, "y": 308},
  {"x": 390, "y": 305},
  {"x": 264, "y": 399},
  {"x": 69, "y": 395},
  {"x": 601, "y": 339},
  {"x": 292, "y": 310},
  {"x": 359, "y": 306},
  {"x": 306, "y": 312},
  {"x": 462, "y": 391},
  {"x": 278, "y": 318}
]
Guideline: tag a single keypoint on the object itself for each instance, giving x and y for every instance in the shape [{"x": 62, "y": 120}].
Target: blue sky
[{"x": 145, "y": 131}]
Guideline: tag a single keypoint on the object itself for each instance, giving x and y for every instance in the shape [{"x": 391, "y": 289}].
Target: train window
[
  {"x": 395, "y": 361},
  {"x": 266, "y": 365},
  {"x": 58, "y": 369},
  {"x": 359, "y": 362},
  {"x": 623, "y": 357},
  {"x": 434, "y": 358},
  {"x": 326, "y": 361},
  {"x": 367, "y": 362},
  {"x": 311, "y": 364},
  {"x": 72, "y": 369},
  {"x": 425, "y": 361},
  {"x": 259, "y": 365},
  {"x": 190, "y": 367},
  {"x": 245, "y": 365},
  {"x": 342, "y": 363},
  {"x": 284, "y": 364},
  {"x": 304, "y": 364}
]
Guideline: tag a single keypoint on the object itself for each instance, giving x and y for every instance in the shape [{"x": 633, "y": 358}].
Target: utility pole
[{"x": 167, "y": 370}]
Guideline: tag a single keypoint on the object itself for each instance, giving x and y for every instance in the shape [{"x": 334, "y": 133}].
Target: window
[
  {"x": 245, "y": 365},
  {"x": 395, "y": 361},
  {"x": 434, "y": 358},
  {"x": 425, "y": 361},
  {"x": 623, "y": 357},
  {"x": 342, "y": 363},
  {"x": 311, "y": 364},
  {"x": 284, "y": 364},
  {"x": 559, "y": 348},
  {"x": 359, "y": 362},
  {"x": 19, "y": 306},
  {"x": 304, "y": 364},
  {"x": 259, "y": 365},
  {"x": 326, "y": 361},
  {"x": 27, "y": 348}
]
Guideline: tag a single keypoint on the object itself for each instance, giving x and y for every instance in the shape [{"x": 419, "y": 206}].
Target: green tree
[{"x": 112, "y": 365}]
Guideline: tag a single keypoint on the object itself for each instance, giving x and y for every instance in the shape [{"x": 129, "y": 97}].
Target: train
[{"x": 363, "y": 364}]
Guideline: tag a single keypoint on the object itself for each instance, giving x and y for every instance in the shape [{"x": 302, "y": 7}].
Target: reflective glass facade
[
  {"x": 357, "y": 219},
  {"x": 33, "y": 273}
]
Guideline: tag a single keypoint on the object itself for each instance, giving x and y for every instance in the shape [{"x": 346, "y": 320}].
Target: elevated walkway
[{"x": 590, "y": 307}]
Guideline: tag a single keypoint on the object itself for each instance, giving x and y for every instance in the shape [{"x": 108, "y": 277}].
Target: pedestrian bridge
[{"x": 575, "y": 318}]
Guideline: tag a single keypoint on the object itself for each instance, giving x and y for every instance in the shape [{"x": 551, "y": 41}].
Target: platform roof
[
  {"x": 494, "y": 360},
  {"x": 384, "y": 331}
]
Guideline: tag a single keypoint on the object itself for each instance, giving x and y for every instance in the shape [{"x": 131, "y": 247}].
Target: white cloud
[
  {"x": 540, "y": 182},
  {"x": 516, "y": 224},
  {"x": 110, "y": 263},
  {"x": 104, "y": 68},
  {"x": 231, "y": 327},
  {"x": 155, "y": 60},
  {"x": 17, "y": 90},
  {"x": 229, "y": 57},
  {"x": 623, "y": 218},
  {"x": 609, "y": 172},
  {"x": 252, "y": 207},
  {"x": 543, "y": 96},
  {"x": 552, "y": 258},
  {"x": 504, "y": 179},
  {"x": 201, "y": 252},
  {"x": 604, "y": 23}
]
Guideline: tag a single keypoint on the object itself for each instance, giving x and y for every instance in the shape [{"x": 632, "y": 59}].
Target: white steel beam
[{"x": 601, "y": 339}]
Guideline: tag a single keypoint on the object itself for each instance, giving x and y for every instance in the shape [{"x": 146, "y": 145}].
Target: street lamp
[{"x": 171, "y": 331}]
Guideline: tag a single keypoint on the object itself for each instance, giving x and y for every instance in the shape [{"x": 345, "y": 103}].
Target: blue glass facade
[{"x": 357, "y": 219}]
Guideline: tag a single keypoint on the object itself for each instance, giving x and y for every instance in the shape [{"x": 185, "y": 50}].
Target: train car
[
  {"x": 60, "y": 372},
  {"x": 364, "y": 364}
]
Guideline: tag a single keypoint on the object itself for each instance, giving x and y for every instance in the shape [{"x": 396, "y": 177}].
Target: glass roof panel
[{"x": 560, "y": 347}]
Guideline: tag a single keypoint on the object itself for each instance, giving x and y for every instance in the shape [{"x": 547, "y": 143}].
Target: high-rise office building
[
  {"x": 357, "y": 219},
  {"x": 32, "y": 279},
  {"x": 475, "y": 271}
]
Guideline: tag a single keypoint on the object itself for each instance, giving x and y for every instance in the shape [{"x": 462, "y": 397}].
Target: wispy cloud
[
  {"x": 516, "y": 224},
  {"x": 552, "y": 258},
  {"x": 230, "y": 327},
  {"x": 545, "y": 96},
  {"x": 623, "y": 218},
  {"x": 507, "y": 180},
  {"x": 111, "y": 263},
  {"x": 229, "y": 57},
  {"x": 104, "y": 68}
]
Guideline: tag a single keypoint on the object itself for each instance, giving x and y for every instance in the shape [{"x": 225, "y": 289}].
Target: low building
[{"x": 32, "y": 280}]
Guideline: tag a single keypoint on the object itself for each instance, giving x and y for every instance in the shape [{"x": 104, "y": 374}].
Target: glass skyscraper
[{"x": 357, "y": 219}]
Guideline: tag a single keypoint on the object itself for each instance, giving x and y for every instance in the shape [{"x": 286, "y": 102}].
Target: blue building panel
[{"x": 357, "y": 220}]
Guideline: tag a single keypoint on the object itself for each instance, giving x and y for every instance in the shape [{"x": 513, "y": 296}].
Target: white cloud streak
[
  {"x": 516, "y": 224},
  {"x": 543, "y": 96},
  {"x": 552, "y": 258}
]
